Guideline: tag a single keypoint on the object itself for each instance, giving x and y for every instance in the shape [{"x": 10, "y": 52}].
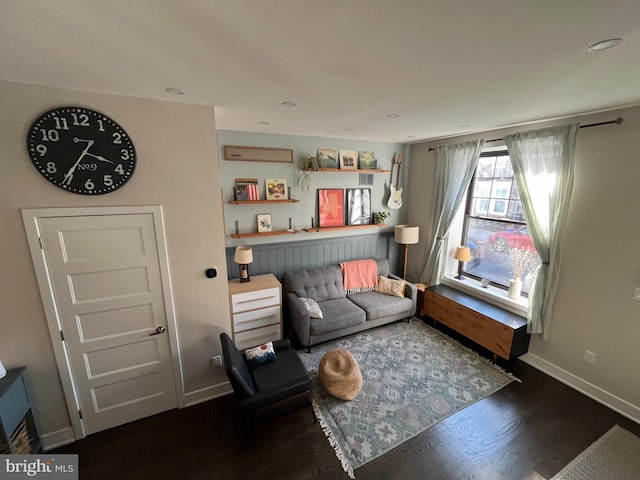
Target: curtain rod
[{"x": 617, "y": 121}]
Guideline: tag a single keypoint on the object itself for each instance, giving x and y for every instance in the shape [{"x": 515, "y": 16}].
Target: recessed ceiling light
[
  {"x": 465, "y": 125},
  {"x": 174, "y": 91},
  {"x": 288, "y": 104},
  {"x": 411, "y": 136},
  {"x": 348, "y": 129},
  {"x": 393, "y": 115},
  {"x": 604, "y": 45},
  {"x": 265, "y": 123}
]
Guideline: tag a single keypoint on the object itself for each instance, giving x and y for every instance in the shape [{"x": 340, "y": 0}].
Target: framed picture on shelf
[
  {"x": 276, "y": 189},
  {"x": 358, "y": 206},
  {"x": 327, "y": 158},
  {"x": 241, "y": 192},
  {"x": 348, "y": 160},
  {"x": 264, "y": 222},
  {"x": 246, "y": 189},
  {"x": 331, "y": 207},
  {"x": 367, "y": 160}
]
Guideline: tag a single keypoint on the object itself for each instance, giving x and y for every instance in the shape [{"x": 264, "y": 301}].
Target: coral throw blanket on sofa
[{"x": 359, "y": 275}]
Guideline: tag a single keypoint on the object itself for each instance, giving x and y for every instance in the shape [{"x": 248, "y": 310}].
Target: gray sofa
[{"x": 343, "y": 315}]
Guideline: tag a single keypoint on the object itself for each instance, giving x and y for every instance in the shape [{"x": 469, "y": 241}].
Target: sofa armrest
[
  {"x": 299, "y": 318},
  {"x": 410, "y": 291}
]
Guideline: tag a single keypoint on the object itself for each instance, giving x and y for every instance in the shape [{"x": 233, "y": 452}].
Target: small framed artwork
[
  {"x": 348, "y": 160},
  {"x": 367, "y": 160},
  {"x": 327, "y": 158},
  {"x": 276, "y": 189},
  {"x": 358, "y": 206},
  {"x": 331, "y": 207},
  {"x": 264, "y": 222}
]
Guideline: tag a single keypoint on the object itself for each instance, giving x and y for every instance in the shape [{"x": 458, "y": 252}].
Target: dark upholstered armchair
[{"x": 269, "y": 386}]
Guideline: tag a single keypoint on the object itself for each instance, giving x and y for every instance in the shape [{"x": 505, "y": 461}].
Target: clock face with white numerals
[{"x": 81, "y": 150}]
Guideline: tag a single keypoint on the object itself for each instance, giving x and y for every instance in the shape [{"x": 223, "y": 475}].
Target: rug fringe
[
  {"x": 346, "y": 466},
  {"x": 472, "y": 352}
]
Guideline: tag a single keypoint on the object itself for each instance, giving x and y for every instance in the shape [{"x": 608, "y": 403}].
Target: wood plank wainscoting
[
  {"x": 278, "y": 258},
  {"x": 501, "y": 332}
]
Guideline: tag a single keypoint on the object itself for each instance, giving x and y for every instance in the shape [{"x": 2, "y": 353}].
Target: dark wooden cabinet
[
  {"x": 18, "y": 433},
  {"x": 502, "y": 332}
]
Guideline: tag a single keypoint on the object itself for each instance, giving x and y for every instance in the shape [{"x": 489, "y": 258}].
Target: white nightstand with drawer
[{"x": 256, "y": 310}]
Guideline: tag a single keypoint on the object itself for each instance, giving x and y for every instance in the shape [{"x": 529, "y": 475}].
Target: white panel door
[{"x": 105, "y": 277}]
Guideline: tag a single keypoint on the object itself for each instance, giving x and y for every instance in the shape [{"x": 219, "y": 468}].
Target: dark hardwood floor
[{"x": 526, "y": 431}]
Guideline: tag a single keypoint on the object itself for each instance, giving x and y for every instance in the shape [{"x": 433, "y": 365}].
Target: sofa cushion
[
  {"x": 391, "y": 287},
  {"x": 287, "y": 369},
  {"x": 312, "y": 307},
  {"x": 383, "y": 267},
  {"x": 261, "y": 354},
  {"x": 378, "y": 305},
  {"x": 338, "y": 313},
  {"x": 319, "y": 283}
]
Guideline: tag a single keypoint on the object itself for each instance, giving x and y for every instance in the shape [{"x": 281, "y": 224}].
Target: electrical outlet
[
  {"x": 216, "y": 361},
  {"x": 589, "y": 357}
]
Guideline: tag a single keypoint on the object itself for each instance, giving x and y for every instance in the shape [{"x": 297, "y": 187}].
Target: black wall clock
[{"x": 81, "y": 150}]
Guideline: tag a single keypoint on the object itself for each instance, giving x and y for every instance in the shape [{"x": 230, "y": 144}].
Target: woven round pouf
[{"x": 340, "y": 374}]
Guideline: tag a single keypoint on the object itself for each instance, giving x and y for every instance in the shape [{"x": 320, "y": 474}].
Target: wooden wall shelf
[
  {"x": 255, "y": 202},
  {"x": 264, "y": 234},
  {"x": 344, "y": 227}
]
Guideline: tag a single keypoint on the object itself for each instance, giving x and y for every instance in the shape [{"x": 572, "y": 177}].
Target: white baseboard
[
  {"x": 204, "y": 394},
  {"x": 590, "y": 390},
  {"x": 57, "y": 439}
]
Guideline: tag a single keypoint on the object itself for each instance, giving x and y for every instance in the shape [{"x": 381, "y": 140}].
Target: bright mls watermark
[{"x": 53, "y": 467}]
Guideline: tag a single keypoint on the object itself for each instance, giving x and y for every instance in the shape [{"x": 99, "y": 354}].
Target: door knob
[{"x": 158, "y": 331}]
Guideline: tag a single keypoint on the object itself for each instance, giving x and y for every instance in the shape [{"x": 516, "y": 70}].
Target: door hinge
[
  {"x": 62, "y": 335},
  {"x": 80, "y": 413},
  {"x": 41, "y": 243}
]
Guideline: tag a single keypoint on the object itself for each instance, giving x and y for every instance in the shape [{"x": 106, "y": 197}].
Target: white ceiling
[{"x": 444, "y": 66}]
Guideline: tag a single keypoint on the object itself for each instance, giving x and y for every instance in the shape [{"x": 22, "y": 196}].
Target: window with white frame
[{"x": 494, "y": 224}]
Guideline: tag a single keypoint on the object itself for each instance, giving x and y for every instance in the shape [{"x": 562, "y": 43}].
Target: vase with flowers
[{"x": 523, "y": 262}]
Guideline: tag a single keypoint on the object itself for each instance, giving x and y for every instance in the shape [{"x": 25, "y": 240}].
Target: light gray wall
[
  {"x": 177, "y": 168},
  {"x": 593, "y": 308},
  {"x": 300, "y": 213}
]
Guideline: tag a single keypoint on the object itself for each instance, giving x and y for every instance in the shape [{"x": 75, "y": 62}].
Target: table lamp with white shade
[
  {"x": 243, "y": 257},
  {"x": 406, "y": 235}
]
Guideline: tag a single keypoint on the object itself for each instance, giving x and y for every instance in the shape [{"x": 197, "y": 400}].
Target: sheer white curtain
[
  {"x": 455, "y": 166},
  {"x": 543, "y": 168}
]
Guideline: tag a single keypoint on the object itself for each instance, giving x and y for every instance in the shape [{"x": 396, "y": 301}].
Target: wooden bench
[{"x": 502, "y": 332}]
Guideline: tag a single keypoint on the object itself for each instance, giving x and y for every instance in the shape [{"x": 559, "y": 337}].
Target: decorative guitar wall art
[
  {"x": 395, "y": 198},
  {"x": 387, "y": 187}
]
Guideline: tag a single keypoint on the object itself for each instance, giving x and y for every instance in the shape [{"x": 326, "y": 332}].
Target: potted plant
[
  {"x": 307, "y": 165},
  {"x": 379, "y": 217}
]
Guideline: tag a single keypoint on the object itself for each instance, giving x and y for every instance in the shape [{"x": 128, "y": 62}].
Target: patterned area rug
[
  {"x": 413, "y": 377},
  {"x": 614, "y": 456}
]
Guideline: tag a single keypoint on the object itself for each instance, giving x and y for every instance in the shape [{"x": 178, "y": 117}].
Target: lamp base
[{"x": 244, "y": 273}]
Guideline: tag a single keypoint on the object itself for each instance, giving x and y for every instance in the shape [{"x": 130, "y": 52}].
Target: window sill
[{"x": 492, "y": 295}]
